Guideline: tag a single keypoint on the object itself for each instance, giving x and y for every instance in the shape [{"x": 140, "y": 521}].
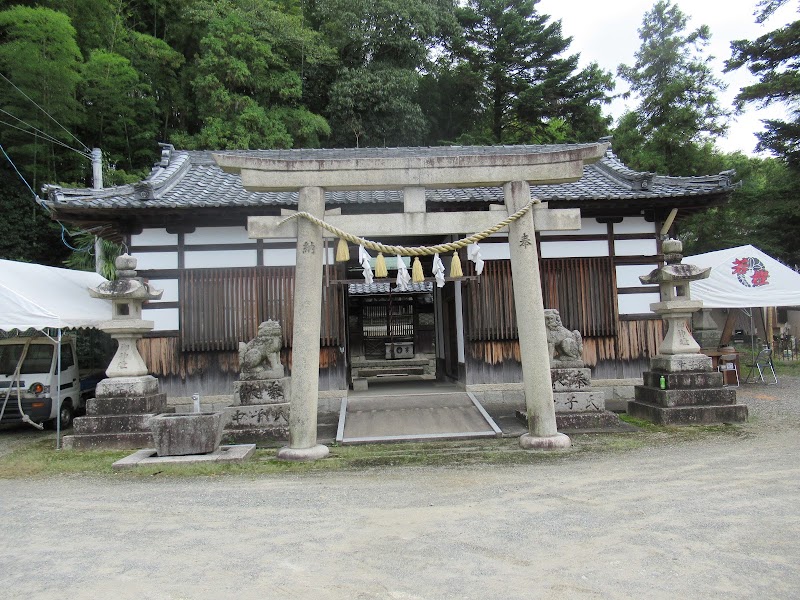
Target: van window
[
  {"x": 67, "y": 359},
  {"x": 38, "y": 360}
]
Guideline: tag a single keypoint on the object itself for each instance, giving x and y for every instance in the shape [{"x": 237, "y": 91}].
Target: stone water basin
[{"x": 189, "y": 433}]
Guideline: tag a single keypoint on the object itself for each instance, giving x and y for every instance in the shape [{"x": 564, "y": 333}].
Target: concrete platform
[
  {"x": 149, "y": 457},
  {"x": 401, "y": 416}
]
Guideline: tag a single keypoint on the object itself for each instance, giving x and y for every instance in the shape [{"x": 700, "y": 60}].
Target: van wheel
[{"x": 67, "y": 415}]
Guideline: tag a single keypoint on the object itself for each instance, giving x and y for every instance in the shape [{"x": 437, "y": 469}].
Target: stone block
[
  {"x": 686, "y": 397},
  {"x": 261, "y": 391},
  {"x": 683, "y": 381},
  {"x": 579, "y": 401},
  {"x": 593, "y": 420},
  {"x": 688, "y": 415},
  {"x": 680, "y": 362},
  {"x": 106, "y": 441},
  {"x": 111, "y": 424},
  {"x": 263, "y": 416},
  {"x": 127, "y": 387},
  {"x": 180, "y": 435},
  {"x": 574, "y": 379},
  {"x": 360, "y": 384},
  {"x": 156, "y": 403}
]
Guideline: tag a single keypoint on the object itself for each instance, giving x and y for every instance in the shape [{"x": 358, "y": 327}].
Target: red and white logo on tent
[{"x": 750, "y": 272}]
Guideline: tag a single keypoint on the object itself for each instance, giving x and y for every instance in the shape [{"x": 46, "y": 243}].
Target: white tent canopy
[
  {"x": 38, "y": 297},
  {"x": 744, "y": 277}
]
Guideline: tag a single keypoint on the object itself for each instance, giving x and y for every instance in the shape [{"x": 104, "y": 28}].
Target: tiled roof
[{"x": 192, "y": 180}]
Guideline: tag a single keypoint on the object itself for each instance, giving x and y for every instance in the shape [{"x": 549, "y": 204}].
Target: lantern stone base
[
  {"x": 689, "y": 398},
  {"x": 119, "y": 416}
]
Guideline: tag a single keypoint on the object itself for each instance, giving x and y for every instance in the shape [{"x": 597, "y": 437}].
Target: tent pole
[{"x": 58, "y": 394}]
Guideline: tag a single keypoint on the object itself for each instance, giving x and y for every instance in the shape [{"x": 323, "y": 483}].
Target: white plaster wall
[
  {"x": 630, "y": 304},
  {"x": 156, "y": 260},
  {"x": 220, "y": 258},
  {"x": 635, "y": 247},
  {"x": 574, "y": 249},
  {"x": 170, "y": 288},
  {"x": 588, "y": 227},
  {"x": 286, "y": 257},
  {"x": 494, "y": 251},
  {"x": 634, "y": 225},
  {"x": 165, "y": 319},
  {"x": 218, "y": 235},
  {"x": 154, "y": 237},
  {"x": 628, "y": 275}
]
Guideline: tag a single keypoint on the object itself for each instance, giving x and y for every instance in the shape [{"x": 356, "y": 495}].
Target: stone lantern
[
  {"x": 678, "y": 351},
  {"x": 681, "y": 387},
  {"x": 119, "y": 414}
]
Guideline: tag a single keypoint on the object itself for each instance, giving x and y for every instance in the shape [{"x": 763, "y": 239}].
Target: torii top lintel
[{"x": 397, "y": 168}]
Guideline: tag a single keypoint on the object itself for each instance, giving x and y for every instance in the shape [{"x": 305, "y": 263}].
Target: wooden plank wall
[
  {"x": 221, "y": 307},
  {"x": 581, "y": 289}
]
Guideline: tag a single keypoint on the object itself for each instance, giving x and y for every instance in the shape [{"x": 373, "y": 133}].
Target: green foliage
[
  {"x": 678, "y": 113},
  {"x": 763, "y": 212},
  {"x": 376, "y": 107},
  {"x": 774, "y": 58},
  {"x": 84, "y": 259},
  {"x": 247, "y": 77},
  {"x": 120, "y": 108},
  {"x": 26, "y": 232},
  {"x": 40, "y": 56},
  {"x": 527, "y": 82}
]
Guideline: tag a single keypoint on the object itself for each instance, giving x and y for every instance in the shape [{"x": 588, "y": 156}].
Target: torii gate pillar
[{"x": 312, "y": 172}]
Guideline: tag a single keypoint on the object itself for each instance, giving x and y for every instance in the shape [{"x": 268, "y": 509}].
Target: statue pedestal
[
  {"x": 260, "y": 412},
  {"x": 578, "y": 407}
]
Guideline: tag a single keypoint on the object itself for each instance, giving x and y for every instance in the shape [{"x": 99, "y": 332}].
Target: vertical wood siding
[
  {"x": 581, "y": 289},
  {"x": 221, "y": 307}
]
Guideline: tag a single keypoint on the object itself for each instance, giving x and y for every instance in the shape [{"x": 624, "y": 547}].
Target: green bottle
[{"x": 662, "y": 383}]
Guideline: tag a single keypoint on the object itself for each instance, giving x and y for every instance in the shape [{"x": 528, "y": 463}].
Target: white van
[{"x": 34, "y": 388}]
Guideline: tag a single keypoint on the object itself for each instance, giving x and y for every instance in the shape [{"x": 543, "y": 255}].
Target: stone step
[
  {"x": 104, "y": 405},
  {"x": 378, "y": 371},
  {"x": 688, "y": 415},
  {"x": 699, "y": 397},
  {"x": 112, "y": 424},
  {"x": 685, "y": 381},
  {"x": 109, "y": 441}
]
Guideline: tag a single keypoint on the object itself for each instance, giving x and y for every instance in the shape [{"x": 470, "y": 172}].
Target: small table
[{"x": 728, "y": 377}]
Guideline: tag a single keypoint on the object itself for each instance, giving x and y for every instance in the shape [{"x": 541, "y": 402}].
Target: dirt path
[{"x": 717, "y": 517}]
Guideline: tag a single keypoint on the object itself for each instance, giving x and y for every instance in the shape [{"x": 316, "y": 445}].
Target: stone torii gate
[{"x": 311, "y": 172}]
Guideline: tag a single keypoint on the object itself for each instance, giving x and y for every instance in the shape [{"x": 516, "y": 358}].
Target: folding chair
[
  {"x": 760, "y": 364},
  {"x": 726, "y": 364}
]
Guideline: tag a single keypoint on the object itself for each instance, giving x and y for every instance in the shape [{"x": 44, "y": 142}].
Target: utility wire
[
  {"x": 41, "y": 203},
  {"x": 44, "y": 134},
  {"x": 47, "y": 113},
  {"x": 50, "y": 139}
]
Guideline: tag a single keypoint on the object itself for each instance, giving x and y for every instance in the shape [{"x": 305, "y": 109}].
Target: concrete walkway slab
[
  {"x": 404, "y": 417},
  {"x": 148, "y": 457}
]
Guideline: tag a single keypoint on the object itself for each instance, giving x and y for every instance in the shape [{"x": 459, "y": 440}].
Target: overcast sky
[{"x": 607, "y": 32}]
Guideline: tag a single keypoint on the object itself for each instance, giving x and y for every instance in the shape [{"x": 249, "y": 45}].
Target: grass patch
[{"x": 40, "y": 459}]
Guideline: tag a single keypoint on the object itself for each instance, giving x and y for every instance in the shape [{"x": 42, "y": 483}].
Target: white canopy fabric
[
  {"x": 744, "y": 277},
  {"x": 37, "y": 297}
]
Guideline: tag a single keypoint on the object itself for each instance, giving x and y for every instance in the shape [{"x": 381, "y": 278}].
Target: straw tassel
[
  {"x": 417, "y": 276},
  {"x": 342, "y": 251},
  {"x": 380, "y": 266},
  {"x": 455, "y": 266}
]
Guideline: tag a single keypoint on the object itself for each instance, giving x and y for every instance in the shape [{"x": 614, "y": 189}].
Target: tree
[
  {"x": 763, "y": 212},
  {"x": 247, "y": 78},
  {"x": 120, "y": 110},
  {"x": 678, "y": 113},
  {"x": 370, "y": 96},
  {"x": 775, "y": 59},
  {"x": 41, "y": 64},
  {"x": 532, "y": 92}
]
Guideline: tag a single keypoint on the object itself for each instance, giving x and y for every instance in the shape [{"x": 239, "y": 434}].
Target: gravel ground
[{"x": 714, "y": 517}]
